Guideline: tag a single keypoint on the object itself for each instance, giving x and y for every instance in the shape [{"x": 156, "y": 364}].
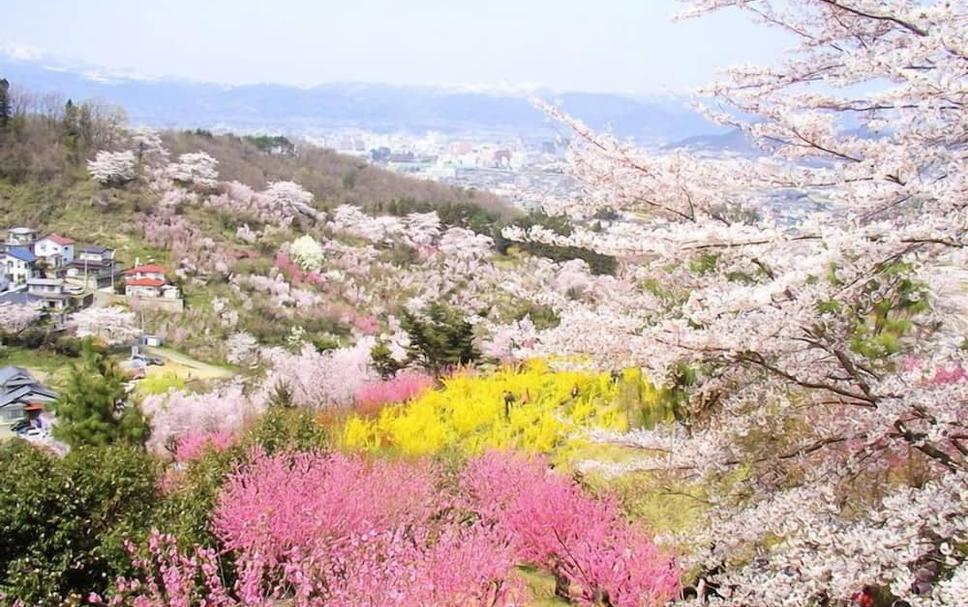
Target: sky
[{"x": 627, "y": 46}]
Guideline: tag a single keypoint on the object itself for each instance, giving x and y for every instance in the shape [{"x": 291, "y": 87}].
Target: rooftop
[
  {"x": 97, "y": 250},
  {"x": 145, "y": 282},
  {"x": 9, "y": 372},
  {"x": 22, "y": 253},
  {"x": 146, "y": 269},
  {"x": 61, "y": 240}
]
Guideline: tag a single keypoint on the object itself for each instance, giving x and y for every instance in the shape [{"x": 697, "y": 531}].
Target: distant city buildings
[{"x": 522, "y": 170}]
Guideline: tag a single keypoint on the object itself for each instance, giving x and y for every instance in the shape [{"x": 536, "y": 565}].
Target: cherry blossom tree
[
  {"x": 319, "y": 379},
  {"x": 196, "y": 169},
  {"x": 149, "y": 148},
  {"x": 788, "y": 332},
  {"x": 112, "y": 325},
  {"x": 112, "y": 168},
  {"x": 241, "y": 348},
  {"x": 289, "y": 195},
  {"x": 177, "y": 415},
  {"x": 14, "y": 318}
]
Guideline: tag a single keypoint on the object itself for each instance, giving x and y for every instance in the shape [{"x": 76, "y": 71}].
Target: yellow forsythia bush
[{"x": 527, "y": 407}]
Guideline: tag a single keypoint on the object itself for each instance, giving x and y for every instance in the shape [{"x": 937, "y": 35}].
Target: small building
[
  {"x": 95, "y": 254},
  {"x": 22, "y": 397},
  {"x": 144, "y": 287},
  {"x": 93, "y": 268},
  {"x": 21, "y": 237},
  {"x": 51, "y": 292},
  {"x": 19, "y": 264},
  {"x": 56, "y": 250},
  {"x": 148, "y": 271},
  {"x": 149, "y": 281},
  {"x": 152, "y": 340}
]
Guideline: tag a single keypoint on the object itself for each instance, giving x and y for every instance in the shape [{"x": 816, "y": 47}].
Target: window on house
[{"x": 11, "y": 413}]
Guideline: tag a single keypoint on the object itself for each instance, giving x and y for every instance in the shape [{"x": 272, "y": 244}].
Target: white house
[
  {"x": 56, "y": 250},
  {"x": 21, "y": 236},
  {"x": 19, "y": 264},
  {"x": 50, "y": 291},
  {"x": 149, "y": 281}
]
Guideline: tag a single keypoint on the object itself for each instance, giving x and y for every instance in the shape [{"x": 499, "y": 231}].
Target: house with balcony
[
  {"x": 93, "y": 268},
  {"x": 52, "y": 293},
  {"x": 19, "y": 264},
  {"x": 21, "y": 237},
  {"x": 55, "y": 251}
]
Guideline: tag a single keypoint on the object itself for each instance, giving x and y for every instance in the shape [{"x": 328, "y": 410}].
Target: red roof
[
  {"x": 146, "y": 269},
  {"x": 145, "y": 282},
  {"x": 61, "y": 240}
]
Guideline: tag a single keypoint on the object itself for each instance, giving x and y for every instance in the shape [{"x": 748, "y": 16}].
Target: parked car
[
  {"x": 32, "y": 433},
  {"x": 20, "y": 426},
  {"x": 148, "y": 359}
]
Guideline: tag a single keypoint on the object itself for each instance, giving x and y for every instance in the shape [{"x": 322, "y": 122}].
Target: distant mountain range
[{"x": 374, "y": 107}]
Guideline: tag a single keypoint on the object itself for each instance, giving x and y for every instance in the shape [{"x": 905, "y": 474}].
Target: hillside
[{"x": 44, "y": 184}]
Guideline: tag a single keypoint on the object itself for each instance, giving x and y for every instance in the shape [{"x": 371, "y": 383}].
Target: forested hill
[
  {"x": 333, "y": 178},
  {"x": 48, "y": 139}
]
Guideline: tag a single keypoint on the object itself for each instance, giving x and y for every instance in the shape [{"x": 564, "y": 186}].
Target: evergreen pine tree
[
  {"x": 72, "y": 130},
  {"x": 439, "y": 338},
  {"x": 5, "y": 110},
  {"x": 383, "y": 360},
  {"x": 91, "y": 409}
]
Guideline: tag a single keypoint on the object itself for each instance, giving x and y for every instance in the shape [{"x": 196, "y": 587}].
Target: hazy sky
[{"x": 589, "y": 45}]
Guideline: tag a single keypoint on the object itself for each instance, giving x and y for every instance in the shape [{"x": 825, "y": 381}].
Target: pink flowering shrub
[
  {"x": 949, "y": 374},
  {"x": 365, "y": 324},
  {"x": 594, "y": 554},
  {"x": 170, "y": 577},
  {"x": 288, "y": 267},
  {"x": 193, "y": 445},
  {"x": 340, "y": 531},
  {"x": 313, "y": 529},
  {"x": 371, "y": 397}
]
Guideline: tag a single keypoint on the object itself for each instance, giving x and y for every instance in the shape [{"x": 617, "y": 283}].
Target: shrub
[
  {"x": 596, "y": 557},
  {"x": 371, "y": 397},
  {"x": 63, "y": 517},
  {"x": 530, "y": 408}
]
